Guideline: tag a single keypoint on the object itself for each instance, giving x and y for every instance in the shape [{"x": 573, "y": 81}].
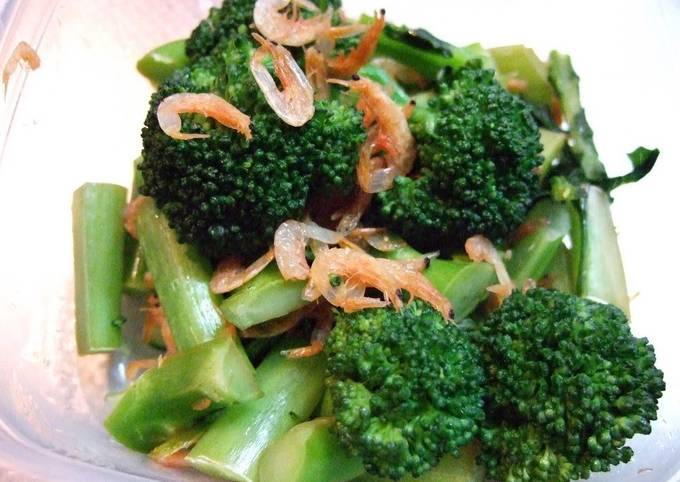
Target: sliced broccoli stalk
[
  {"x": 553, "y": 142},
  {"x": 167, "y": 400},
  {"x": 181, "y": 278},
  {"x": 601, "y": 271},
  {"x": 425, "y": 53},
  {"x": 135, "y": 265},
  {"x": 98, "y": 245},
  {"x": 159, "y": 63},
  {"x": 232, "y": 446},
  {"x": 183, "y": 440},
  {"x": 376, "y": 74},
  {"x": 559, "y": 272},
  {"x": 533, "y": 254},
  {"x": 463, "y": 282},
  {"x": 309, "y": 452},
  {"x": 520, "y": 62},
  {"x": 245, "y": 307},
  {"x": 566, "y": 83}
]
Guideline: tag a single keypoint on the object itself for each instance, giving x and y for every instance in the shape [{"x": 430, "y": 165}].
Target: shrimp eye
[
  {"x": 355, "y": 77},
  {"x": 382, "y": 11}
]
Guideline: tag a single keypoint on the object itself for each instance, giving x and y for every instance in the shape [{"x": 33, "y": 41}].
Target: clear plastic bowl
[{"x": 78, "y": 118}]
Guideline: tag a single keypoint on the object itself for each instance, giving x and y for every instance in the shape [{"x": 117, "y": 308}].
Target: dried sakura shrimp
[
  {"x": 276, "y": 25},
  {"x": 295, "y": 103},
  {"x": 208, "y": 105}
]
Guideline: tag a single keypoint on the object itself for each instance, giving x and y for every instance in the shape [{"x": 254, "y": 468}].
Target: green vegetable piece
[
  {"x": 520, "y": 62},
  {"x": 553, "y": 143},
  {"x": 535, "y": 252},
  {"x": 559, "y": 275},
  {"x": 425, "y": 53},
  {"x": 181, "y": 278},
  {"x": 135, "y": 265},
  {"x": 181, "y": 441},
  {"x": 450, "y": 469},
  {"x": 566, "y": 83},
  {"x": 98, "y": 238},
  {"x": 462, "y": 281},
  {"x": 308, "y": 452},
  {"x": 601, "y": 275},
  {"x": 232, "y": 446},
  {"x": 406, "y": 387},
  {"x": 376, "y": 74},
  {"x": 265, "y": 297},
  {"x": 643, "y": 161},
  {"x": 567, "y": 384},
  {"x": 167, "y": 400},
  {"x": 159, "y": 63}
]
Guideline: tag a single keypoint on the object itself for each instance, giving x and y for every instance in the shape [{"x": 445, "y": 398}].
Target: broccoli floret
[
  {"x": 228, "y": 195},
  {"x": 567, "y": 384},
  {"x": 406, "y": 387},
  {"x": 478, "y": 146},
  {"x": 230, "y": 19},
  {"x": 334, "y": 136}
]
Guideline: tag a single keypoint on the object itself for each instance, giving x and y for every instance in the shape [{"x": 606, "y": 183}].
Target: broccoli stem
[
  {"x": 180, "y": 441},
  {"x": 159, "y": 63},
  {"x": 601, "y": 271},
  {"x": 181, "y": 278},
  {"x": 135, "y": 265},
  {"x": 185, "y": 388},
  {"x": 376, "y": 74},
  {"x": 553, "y": 143},
  {"x": 463, "y": 282},
  {"x": 534, "y": 253},
  {"x": 402, "y": 45},
  {"x": 309, "y": 452},
  {"x": 559, "y": 273},
  {"x": 520, "y": 62},
  {"x": 244, "y": 308},
  {"x": 98, "y": 238},
  {"x": 232, "y": 446},
  {"x": 566, "y": 83}
]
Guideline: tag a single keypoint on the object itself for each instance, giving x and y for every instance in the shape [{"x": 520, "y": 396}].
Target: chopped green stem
[
  {"x": 183, "y": 440},
  {"x": 462, "y": 281},
  {"x": 559, "y": 273},
  {"x": 520, "y": 62},
  {"x": 135, "y": 265},
  {"x": 553, "y": 143},
  {"x": 232, "y": 446},
  {"x": 601, "y": 272},
  {"x": 98, "y": 239},
  {"x": 181, "y": 277},
  {"x": 162, "y": 61},
  {"x": 423, "y": 52},
  {"x": 376, "y": 74},
  {"x": 534, "y": 253},
  {"x": 566, "y": 83},
  {"x": 245, "y": 307},
  {"x": 171, "y": 398},
  {"x": 309, "y": 452}
]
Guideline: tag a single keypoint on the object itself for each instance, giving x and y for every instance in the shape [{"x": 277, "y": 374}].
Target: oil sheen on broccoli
[
  {"x": 477, "y": 148},
  {"x": 567, "y": 384},
  {"x": 228, "y": 195},
  {"x": 406, "y": 387}
]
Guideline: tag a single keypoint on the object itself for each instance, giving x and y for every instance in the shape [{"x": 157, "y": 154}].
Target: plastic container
[{"x": 78, "y": 118}]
